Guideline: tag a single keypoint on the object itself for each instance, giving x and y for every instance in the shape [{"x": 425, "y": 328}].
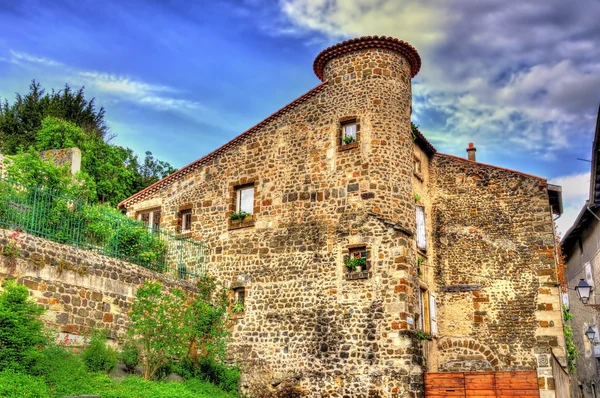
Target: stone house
[
  {"x": 580, "y": 246},
  {"x": 459, "y": 272}
]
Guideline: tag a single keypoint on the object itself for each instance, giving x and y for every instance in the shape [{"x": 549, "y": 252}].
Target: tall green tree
[{"x": 20, "y": 122}]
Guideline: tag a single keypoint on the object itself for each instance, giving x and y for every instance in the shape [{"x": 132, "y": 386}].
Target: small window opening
[
  {"x": 244, "y": 201},
  {"x": 349, "y": 130},
  {"x": 239, "y": 300},
  {"x": 417, "y": 165},
  {"x": 421, "y": 228},
  {"x": 151, "y": 218},
  {"x": 186, "y": 220}
]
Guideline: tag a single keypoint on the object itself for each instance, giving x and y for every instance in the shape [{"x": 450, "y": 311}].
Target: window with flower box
[
  {"x": 357, "y": 263},
  {"x": 349, "y": 133}
]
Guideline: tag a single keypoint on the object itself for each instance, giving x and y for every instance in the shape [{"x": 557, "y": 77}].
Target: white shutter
[
  {"x": 589, "y": 277},
  {"x": 421, "y": 232},
  {"x": 596, "y": 341},
  {"x": 565, "y": 300},
  {"x": 432, "y": 314}
]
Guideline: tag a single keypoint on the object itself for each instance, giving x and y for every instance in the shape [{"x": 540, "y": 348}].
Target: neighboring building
[
  {"x": 581, "y": 246},
  {"x": 456, "y": 249}
]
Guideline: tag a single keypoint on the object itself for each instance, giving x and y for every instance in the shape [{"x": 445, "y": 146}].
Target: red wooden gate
[{"x": 482, "y": 384}]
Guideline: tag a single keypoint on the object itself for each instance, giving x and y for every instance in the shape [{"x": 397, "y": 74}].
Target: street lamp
[
  {"x": 590, "y": 333},
  {"x": 583, "y": 291}
]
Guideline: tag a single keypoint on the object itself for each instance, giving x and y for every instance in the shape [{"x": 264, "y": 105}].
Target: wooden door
[{"x": 482, "y": 384}]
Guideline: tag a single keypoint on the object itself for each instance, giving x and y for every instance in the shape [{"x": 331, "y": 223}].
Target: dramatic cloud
[{"x": 527, "y": 72}]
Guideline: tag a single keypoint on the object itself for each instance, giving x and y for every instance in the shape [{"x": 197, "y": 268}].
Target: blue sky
[{"x": 519, "y": 79}]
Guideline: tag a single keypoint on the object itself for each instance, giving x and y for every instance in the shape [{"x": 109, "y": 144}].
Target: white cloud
[
  {"x": 132, "y": 90},
  {"x": 575, "y": 191},
  {"x": 18, "y": 57},
  {"x": 122, "y": 84},
  {"x": 418, "y": 22},
  {"x": 115, "y": 87}
]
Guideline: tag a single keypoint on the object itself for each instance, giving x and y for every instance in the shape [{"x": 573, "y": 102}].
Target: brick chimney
[{"x": 471, "y": 152}]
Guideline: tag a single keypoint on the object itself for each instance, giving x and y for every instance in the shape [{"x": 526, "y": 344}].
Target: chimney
[{"x": 471, "y": 152}]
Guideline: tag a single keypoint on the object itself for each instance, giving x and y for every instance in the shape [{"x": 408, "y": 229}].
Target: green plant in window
[
  {"x": 421, "y": 335},
  {"x": 238, "y": 307},
  {"x": 240, "y": 215},
  {"x": 348, "y": 139},
  {"x": 353, "y": 262},
  {"x": 420, "y": 261},
  {"x": 417, "y": 197}
]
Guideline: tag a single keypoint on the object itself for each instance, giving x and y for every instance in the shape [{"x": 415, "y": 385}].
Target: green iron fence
[{"x": 45, "y": 213}]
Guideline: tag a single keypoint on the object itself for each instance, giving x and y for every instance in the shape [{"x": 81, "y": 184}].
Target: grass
[{"x": 19, "y": 385}]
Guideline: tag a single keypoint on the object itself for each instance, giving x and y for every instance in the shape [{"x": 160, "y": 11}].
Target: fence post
[
  {"x": 79, "y": 217},
  {"x": 32, "y": 228},
  {"x": 116, "y": 252}
]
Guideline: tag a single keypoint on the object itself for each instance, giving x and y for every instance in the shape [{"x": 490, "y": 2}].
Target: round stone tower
[
  {"x": 369, "y": 78},
  {"x": 368, "y": 85}
]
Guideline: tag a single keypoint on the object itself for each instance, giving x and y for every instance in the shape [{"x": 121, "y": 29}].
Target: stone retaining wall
[{"x": 80, "y": 289}]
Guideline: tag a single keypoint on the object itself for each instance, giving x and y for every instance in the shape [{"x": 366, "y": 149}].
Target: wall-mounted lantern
[
  {"x": 583, "y": 290},
  {"x": 590, "y": 334}
]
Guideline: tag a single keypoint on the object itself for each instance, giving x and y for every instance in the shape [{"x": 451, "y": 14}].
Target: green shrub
[
  {"x": 226, "y": 377},
  {"x": 130, "y": 355},
  {"x": 21, "y": 332},
  {"x": 63, "y": 371},
  {"x": 20, "y": 385},
  {"x": 97, "y": 356}
]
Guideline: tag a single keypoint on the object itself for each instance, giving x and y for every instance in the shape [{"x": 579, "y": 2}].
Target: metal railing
[{"x": 45, "y": 213}]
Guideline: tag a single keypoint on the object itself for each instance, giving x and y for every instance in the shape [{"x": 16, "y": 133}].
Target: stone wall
[
  {"x": 499, "y": 304},
  {"x": 79, "y": 289},
  {"x": 66, "y": 156},
  {"x": 60, "y": 157}
]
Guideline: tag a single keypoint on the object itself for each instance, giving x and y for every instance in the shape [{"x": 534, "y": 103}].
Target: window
[
  {"x": 432, "y": 315},
  {"x": 151, "y": 218},
  {"x": 422, "y": 322},
  {"x": 357, "y": 264},
  {"x": 238, "y": 305},
  {"x": 421, "y": 230},
  {"x": 244, "y": 201},
  {"x": 427, "y": 321},
  {"x": 186, "y": 220},
  {"x": 240, "y": 295},
  {"x": 417, "y": 165},
  {"x": 349, "y": 130}
]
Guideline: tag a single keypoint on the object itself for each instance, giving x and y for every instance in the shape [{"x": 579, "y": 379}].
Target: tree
[
  {"x": 160, "y": 322},
  {"x": 20, "y": 122},
  {"x": 151, "y": 171}
]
